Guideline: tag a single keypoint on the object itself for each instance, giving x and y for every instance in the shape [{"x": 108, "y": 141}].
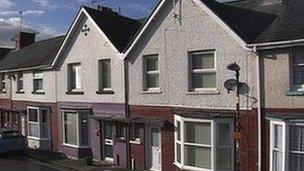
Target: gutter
[
  {"x": 29, "y": 68},
  {"x": 275, "y": 45}
]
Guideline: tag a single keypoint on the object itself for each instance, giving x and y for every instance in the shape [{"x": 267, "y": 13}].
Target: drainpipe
[
  {"x": 259, "y": 109},
  {"x": 127, "y": 111}
]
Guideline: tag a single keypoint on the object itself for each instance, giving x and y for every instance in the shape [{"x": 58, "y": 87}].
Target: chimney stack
[
  {"x": 105, "y": 10},
  {"x": 23, "y": 39}
]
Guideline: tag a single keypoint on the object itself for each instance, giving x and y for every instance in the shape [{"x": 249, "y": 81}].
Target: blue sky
[{"x": 51, "y": 18}]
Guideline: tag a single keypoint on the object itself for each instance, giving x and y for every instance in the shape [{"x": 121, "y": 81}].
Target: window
[
  {"x": 20, "y": 82},
  {"x": 151, "y": 73},
  {"x": 120, "y": 131},
  {"x": 105, "y": 75},
  {"x": 2, "y": 84},
  {"x": 38, "y": 122},
  {"x": 298, "y": 70},
  {"x": 74, "y": 77},
  {"x": 38, "y": 82},
  {"x": 135, "y": 132},
  {"x": 75, "y": 129},
  {"x": 202, "y": 70},
  {"x": 197, "y": 144},
  {"x": 286, "y": 152}
]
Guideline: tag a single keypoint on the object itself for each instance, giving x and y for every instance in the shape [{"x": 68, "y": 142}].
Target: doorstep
[{"x": 58, "y": 160}]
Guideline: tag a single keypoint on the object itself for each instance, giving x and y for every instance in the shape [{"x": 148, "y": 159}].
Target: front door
[
  {"x": 154, "y": 148},
  {"x": 108, "y": 141}
]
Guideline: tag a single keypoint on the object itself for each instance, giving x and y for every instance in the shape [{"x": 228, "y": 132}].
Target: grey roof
[
  {"x": 4, "y": 52},
  {"x": 119, "y": 29},
  {"x": 256, "y": 22},
  {"x": 40, "y": 53}
]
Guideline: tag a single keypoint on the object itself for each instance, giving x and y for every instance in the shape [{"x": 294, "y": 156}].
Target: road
[{"x": 21, "y": 163}]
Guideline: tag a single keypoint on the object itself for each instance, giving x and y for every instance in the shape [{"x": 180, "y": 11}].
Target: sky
[{"x": 50, "y": 18}]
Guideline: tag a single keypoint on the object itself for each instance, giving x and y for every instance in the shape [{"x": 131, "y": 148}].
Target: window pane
[
  {"x": 224, "y": 158},
  {"x": 44, "y": 123},
  {"x": 135, "y": 131},
  {"x": 108, "y": 131},
  {"x": 152, "y": 63},
  {"x": 277, "y": 161},
  {"x": 198, "y": 156},
  {"x": 120, "y": 131},
  {"x": 296, "y": 162},
  {"x": 152, "y": 81},
  {"x": 203, "y": 80},
  {"x": 203, "y": 61},
  {"x": 224, "y": 134},
  {"x": 109, "y": 151},
  {"x": 298, "y": 75},
  {"x": 198, "y": 133},
  {"x": 155, "y": 137},
  {"x": 70, "y": 125},
  {"x": 105, "y": 73},
  {"x": 178, "y": 152},
  {"x": 74, "y": 76},
  {"x": 278, "y": 131},
  {"x": 33, "y": 115},
  {"x": 84, "y": 130},
  {"x": 34, "y": 130},
  {"x": 20, "y": 81},
  {"x": 178, "y": 130},
  {"x": 38, "y": 84}
]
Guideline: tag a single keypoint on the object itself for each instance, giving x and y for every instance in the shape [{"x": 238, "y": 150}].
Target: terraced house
[{"x": 151, "y": 96}]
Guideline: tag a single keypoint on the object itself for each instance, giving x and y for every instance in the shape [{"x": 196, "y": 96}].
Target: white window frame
[
  {"x": 101, "y": 79},
  {"x": 273, "y": 123},
  {"x": 19, "y": 79},
  {"x": 39, "y": 123},
  {"x": 213, "y": 146},
  {"x": 78, "y": 130},
  {"x": 201, "y": 71},
  {"x": 38, "y": 75},
  {"x": 296, "y": 87},
  {"x": 78, "y": 77},
  {"x": 146, "y": 73},
  {"x": 2, "y": 81}
]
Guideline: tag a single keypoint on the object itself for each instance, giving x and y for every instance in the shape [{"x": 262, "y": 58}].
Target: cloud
[
  {"x": 5, "y": 4},
  {"x": 11, "y": 26},
  {"x": 27, "y": 12},
  {"x": 43, "y": 3}
]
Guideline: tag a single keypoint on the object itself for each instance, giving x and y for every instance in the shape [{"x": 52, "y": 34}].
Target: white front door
[{"x": 154, "y": 149}]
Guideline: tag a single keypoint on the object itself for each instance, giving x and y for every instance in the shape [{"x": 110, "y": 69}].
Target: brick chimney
[{"x": 23, "y": 39}]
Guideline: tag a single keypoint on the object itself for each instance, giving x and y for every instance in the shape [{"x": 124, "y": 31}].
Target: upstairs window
[
  {"x": 74, "y": 77},
  {"x": 105, "y": 75},
  {"x": 2, "y": 84},
  {"x": 202, "y": 70},
  {"x": 298, "y": 70},
  {"x": 38, "y": 82},
  {"x": 151, "y": 73},
  {"x": 20, "y": 82}
]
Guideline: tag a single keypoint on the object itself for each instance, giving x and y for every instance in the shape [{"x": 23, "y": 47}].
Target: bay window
[
  {"x": 75, "y": 128},
  {"x": 199, "y": 143},
  {"x": 38, "y": 122},
  {"x": 202, "y": 71},
  {"x": 286, "y": 153}
]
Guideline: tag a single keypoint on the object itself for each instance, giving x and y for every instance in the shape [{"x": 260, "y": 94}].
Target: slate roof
[
  {"x": 4, "y": 52},
  {"x": 257, "y": 22},
  {"x": 119, "y": 29},
  {"x": 37, "y": 54}
]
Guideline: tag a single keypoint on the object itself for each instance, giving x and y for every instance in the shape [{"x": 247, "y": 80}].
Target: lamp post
[{"x": 237, "y": 135}]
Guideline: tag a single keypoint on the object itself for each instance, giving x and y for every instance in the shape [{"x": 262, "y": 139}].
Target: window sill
[
  {"x": 183, "y": 167},
  {"x": 152, "y": 92},
  {"x": 104, "y": 92},
  {"x": 38, "y": 139},
  {"x": 19, "y": 92},
  {"x": 203, "y": 92},
  {"x": 137, "y": 142},
  {"x": 75, "y": 146},
  {"x": 38, "y": 92},
  {"x": 74, "y": 93},
  {"x": 294, "y": 93}
]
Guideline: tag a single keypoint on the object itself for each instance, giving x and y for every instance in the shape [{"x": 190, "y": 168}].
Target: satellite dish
[
  {"x": 230, "y": 84},
  {"x": 244, "y": 88}
]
